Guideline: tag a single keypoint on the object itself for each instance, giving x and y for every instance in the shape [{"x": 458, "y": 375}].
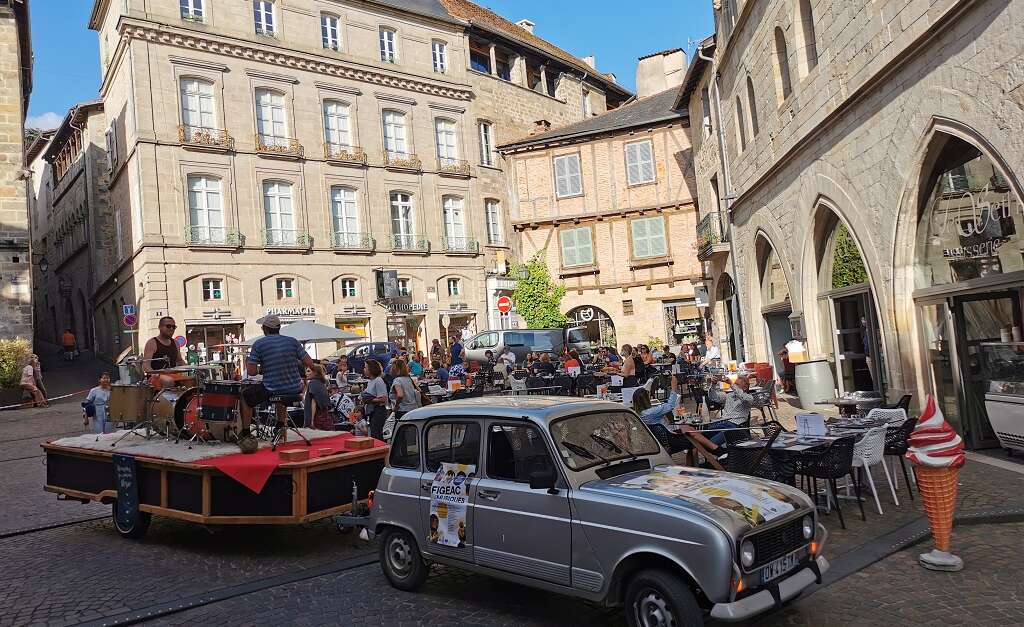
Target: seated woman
[{"x": 657, "y": 420}]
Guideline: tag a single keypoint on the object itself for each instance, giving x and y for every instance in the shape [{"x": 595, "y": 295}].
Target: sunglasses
[{"x": 170, "y": 326}]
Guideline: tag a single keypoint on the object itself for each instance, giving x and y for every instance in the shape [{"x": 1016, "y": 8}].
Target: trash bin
[{"x": 814, "y": 382}]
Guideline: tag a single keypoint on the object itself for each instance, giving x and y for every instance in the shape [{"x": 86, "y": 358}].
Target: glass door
[
  {"x": 856, "y": 343},
  {"x": 937, "y": 326}
]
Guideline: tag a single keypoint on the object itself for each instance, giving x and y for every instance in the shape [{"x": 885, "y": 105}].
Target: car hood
[{"x": 736, "y": 502}]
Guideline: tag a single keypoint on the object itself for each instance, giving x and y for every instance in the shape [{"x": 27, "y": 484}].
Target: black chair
[
  {"x": 673, "y": 442},
  {"x": 758, "y": 462},
  {"x": 896, "y": 446},
  {"x": 535, "y": 382},
  {"x": 833, "y": 463},
  {"x": 903, "y": 403},
  {"x": 586, "y": 384},
  {"x": 565, "y": 382}
]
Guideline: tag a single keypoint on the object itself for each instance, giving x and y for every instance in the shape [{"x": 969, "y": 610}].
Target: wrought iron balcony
[
  {"x": 411, "y": 243},
  {"x": 352, "y": 241},
  {"x": 345, "y": 153},
  {"x": 204, "y": 136},
  {"x": 212, "y": 236},
  {"x": 287, "y": 238},
  {"x": 402, "y": 160},
  {"x": 454, "y": 167},
  {"x": 460, "y": 245},
  {"x": 287, "y": 146},
  {"x": 711, "y": 235}
]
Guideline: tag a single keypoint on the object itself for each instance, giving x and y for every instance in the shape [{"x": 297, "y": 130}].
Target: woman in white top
[
  {"x": 99, "y": 397},
  {"x": 29, "y": 374}
]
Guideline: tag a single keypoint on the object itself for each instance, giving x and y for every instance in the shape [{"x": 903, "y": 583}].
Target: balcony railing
[
  {"x": 212, "y": 236},
  {"x": 279, "y": 145},
  {"x": 463, "y": 245},
  {"x": 189, "y": 17},
  {"x": 410, "y": 243},
  {"x": 402, "y": 160},
  {"x": 287, "y": 238},
  {"x": 710, "y": 233},
  {"x": 352, "y": 241},
  {"x": 204, "y": 136},
  {"x": 455, "y": 167},
  {"x": 345, "y": 153}
]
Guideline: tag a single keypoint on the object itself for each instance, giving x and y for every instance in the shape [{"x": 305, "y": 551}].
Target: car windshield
[{"x": 600, "y": 437}]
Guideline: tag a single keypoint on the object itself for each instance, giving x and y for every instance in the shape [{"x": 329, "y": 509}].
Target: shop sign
[
  {"x": 292, "y": 311},
  {"x": 700, "y": 295},
  {"x": 988, "y": 248},
  {"x": 586, "y": 314},
  {"x": 354, "y": 310},
  {"x": 459, "y": 306},
  {"x": 216, "y": 314},
  {"x": 406, "y": 307}
]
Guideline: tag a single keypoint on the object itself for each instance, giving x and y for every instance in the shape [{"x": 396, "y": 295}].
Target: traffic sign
[
  {"x": 446, "y": 320},
  {"x": 130, "y": 320},
  {"x": 128, "y": 310},
  {"x": 180, "y": 340},
  {"x": 504, "y": 304}
]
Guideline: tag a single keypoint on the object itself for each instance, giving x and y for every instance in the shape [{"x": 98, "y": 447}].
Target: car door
[
  {"x": 452, "y": 447},
  {"x": 399, "y": 486},
  {"x": 519, "y": 530}
]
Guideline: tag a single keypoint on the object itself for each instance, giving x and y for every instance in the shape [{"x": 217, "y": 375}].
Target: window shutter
[
  {"x": 575, "y": 182},
  {"x": 561, "y": 177},
  {"x": 633, "y": 163},
  {"x": 568, "y": 248},
  {"x": 656, "y": 232},
  {"x": 646, "y": 159},
  {"x": 641, "y": 241},
  {"x": 585, "y": 247}
]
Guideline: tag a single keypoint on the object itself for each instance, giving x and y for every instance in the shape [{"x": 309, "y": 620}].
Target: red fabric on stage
[{"x": 253, "y": 470}]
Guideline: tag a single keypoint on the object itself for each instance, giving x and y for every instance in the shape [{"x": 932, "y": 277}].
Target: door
[
  {"x": 519, "y": 530},
  {"x": 941, "y": 360},
  {"x": 856, "y": 345},
  {"x": 451, "y": 447}
]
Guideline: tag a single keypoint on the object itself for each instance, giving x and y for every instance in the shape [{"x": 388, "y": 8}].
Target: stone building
[
  {"x": 72, "y": 227},
  {"x": 609, "y": 204},
  {"x": 272, "y": 156},
  {"x": 15, "y": 253},
  {"x": 871, "y": 173}
]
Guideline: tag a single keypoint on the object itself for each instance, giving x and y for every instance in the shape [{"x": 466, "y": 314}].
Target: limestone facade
[{"x": 256, "y": 196}]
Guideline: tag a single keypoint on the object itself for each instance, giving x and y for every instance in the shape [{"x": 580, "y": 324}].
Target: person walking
[
  {"x": 316, "y": 403},
  {"x": 69, "y": 343},
  {"x": 99, "y": 399},
  {"x": 404, "y": 393},
  {"x": 375, "y": 398},
  {"x": 31, "y": 377}
]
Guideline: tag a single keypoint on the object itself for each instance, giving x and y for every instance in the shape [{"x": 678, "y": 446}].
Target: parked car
[
  {"x": 577, "y": 497},
  {"x": 523, "y": 341},
  {"x": 357, "y": 354}
]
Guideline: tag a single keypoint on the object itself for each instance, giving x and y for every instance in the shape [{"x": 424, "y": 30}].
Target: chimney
[
  {"x": 590, "y": 60},
  {"x": 660, "y": 71},
  {"x": 526, "y": 25}
]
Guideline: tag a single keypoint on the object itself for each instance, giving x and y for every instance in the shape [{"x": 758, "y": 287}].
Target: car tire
[
  {"x": 401, "y": 561},
  {"x": 135, "y": 531},
  {"x": 656, "y": 598}
]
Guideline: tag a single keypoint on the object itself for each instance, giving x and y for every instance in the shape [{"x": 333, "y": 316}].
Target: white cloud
[{"x": 45, "y": 122}]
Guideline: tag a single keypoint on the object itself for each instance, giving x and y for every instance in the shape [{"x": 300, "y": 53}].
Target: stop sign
[{"x": 504, "y": 304}]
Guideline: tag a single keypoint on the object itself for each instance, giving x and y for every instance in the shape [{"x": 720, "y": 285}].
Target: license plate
[{"x": 779, "y": 567}]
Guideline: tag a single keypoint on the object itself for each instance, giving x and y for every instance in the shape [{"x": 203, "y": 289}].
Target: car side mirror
[{"x": 543, "y": 480}]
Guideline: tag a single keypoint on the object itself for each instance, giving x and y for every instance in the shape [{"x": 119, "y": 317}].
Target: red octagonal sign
[{"x": 504, "y": 304}]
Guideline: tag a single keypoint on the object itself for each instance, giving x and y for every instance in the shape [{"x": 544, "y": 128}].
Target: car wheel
[
  {"x": 137, "y": 529},
  {"x": 656, "y": 598},
  {"x": 401, "y": 560}
]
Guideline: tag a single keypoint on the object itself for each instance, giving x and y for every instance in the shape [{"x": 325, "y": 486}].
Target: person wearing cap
[{"x": 277, "y": 358}]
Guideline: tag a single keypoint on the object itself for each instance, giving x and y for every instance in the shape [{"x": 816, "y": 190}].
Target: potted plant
[{"x": 13, "y": 357}]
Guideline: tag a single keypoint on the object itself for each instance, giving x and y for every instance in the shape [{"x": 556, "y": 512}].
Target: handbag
[{"x": 90, "y": 409}]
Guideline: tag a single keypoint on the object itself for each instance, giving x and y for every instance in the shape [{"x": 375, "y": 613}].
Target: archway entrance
[
  {"x": 732, "y": 330},
  {"x": 969, "y": 279},
  {"x": 775, "y": 301},
  {"x": 591, "y": 324}
]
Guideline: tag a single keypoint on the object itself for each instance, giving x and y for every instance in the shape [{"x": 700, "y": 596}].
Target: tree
[
  {"x": 538, "y": 300},
  {"x": 847, "y": 264}
]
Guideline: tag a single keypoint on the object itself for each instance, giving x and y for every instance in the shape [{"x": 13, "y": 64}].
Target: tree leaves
[{"x": 538, "y": 300}]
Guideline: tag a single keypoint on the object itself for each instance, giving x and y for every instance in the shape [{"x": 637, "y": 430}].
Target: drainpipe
[{"x": 723, "y": 159}]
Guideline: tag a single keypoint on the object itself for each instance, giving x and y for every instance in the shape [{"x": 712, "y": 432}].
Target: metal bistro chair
[
  {"x": 903, "y": 403},
  {"x": 758, "y": 462},
  {"x": 518, "y": 386},
  {"x": 565, "y": 382},
  {"x": 586, "y": 384},
  {"x": 532, "y": 383},
  {"x": 896, "y": 446},
  {"x": 870, "y": 451},
  {"x": 833, "y": 463}
]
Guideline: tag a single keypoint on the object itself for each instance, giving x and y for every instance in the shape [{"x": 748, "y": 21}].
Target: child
[{"x": 361, "y": 427}]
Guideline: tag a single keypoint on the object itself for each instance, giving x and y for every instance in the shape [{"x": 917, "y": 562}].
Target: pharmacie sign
[{"x": 291, "y": 311}]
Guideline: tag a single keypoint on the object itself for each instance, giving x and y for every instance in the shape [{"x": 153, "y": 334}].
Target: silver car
[{"x": 577, "y": 497}]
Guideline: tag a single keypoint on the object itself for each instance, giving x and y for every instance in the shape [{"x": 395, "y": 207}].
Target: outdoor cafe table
[{"x": 850, "y": 406}]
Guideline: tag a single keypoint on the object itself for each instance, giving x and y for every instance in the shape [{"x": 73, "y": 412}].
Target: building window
[
  {"x": 404, "y": 288},
  {"x": 206, "y": 216},
  {"x": 403, "y": 224},
  {"x": 192, "y": 10},
  {"x": 212, "y": 289},
  {"x": 447, "y": 147},
  {"x": 349, "y": 288},
  {"x": 344, "y": 214},
  {"x": 263, "y": 17},
  {"x": 752, "y": 109},
  {"x": 439, "y": 50},
  {"x": 486, "y": 144},
  {"x": 279, "y": 214},
  {"x": 197, "y": 107},
  {"x": 388, "y": 45},
  {"x": 805, "y": 30},
  {"x": 454, "y": 287},
  {"x": 394, "y": 134},
  {"x": 587, "y": 111},
  {"x": 329, "y": 33},
  {"x": 705, "y": 109},
  {"x": 568, "y": 178},
  {"x": 479, "y": 58},
  {"x": 271, "y": 123},
  {"x": 502, "y": 66},
  {"x": 640, "y": 162},
  {"x": 784, "y": 87},
  {"x": 285, "y": 289},
  {"x": 336, "y": 126},
  {"x": 494, "y": 222},
  {"x": 111, "y": 142},
  {"x": 741, "y": 126},
  {"x": 454, "y": 223},
  {"x": 627, "y": 307},
  {"x": 649, "y": 237},
  {"x": 577, "y": 247}
]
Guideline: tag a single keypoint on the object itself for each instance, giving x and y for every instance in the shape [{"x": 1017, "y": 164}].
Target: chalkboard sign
[{"x": 127, "y": 510}]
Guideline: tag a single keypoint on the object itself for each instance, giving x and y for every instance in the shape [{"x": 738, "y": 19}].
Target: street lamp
[{"x": 43, "y": 264}]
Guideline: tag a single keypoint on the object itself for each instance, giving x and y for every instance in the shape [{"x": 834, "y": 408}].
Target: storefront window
[{"x": 212, "y": 342}]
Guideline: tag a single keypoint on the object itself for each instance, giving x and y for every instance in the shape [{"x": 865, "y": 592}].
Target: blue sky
[{"x": 616, "y": 32}]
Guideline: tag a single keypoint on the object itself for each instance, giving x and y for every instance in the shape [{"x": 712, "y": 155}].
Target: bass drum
[{"x": 170, "y": 407}]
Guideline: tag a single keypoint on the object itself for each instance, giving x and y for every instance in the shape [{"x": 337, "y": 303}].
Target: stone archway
[{"x": 594, "y": 324}]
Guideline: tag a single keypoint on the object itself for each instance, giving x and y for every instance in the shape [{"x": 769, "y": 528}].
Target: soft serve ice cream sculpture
[{"x": 937, "y": 453}]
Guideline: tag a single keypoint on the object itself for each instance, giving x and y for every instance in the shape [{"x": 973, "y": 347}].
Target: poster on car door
[
  {"x": 449, "y": 499},
  {"x": 755, "y": 503}
]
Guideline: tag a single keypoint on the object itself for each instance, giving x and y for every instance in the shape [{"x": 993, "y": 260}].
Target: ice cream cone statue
[{"x": 937, "y": 453}]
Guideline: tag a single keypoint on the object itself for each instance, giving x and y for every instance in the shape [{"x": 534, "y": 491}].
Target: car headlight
[
  {"x": 747, "y": 553},
  {"x": 808, "y": 527}
]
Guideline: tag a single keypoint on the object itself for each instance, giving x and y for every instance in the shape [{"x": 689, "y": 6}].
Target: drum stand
[
  {"x": 283, "y": 427},
  {"x": 148, "y": 424}
]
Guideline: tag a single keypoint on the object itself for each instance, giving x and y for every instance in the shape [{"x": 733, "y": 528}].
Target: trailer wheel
[{"x": 137, "y": 529}]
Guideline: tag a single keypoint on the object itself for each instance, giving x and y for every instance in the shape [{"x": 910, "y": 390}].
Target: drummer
[
  {"x": 277, "y": 357},
  {"x": 161, "y": 352}
]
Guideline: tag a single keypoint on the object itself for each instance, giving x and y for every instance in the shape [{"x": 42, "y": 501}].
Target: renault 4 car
[{"x": 576, "y": 496}]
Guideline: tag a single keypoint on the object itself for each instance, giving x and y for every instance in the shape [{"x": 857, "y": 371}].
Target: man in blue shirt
[
  {"x": 277, "y": 358},
  {"x": 442, "y": 372},
  {"x": 457, "y": 353}
]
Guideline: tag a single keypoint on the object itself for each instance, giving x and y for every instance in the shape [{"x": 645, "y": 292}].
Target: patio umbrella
[{"x": 309, "y": 331}]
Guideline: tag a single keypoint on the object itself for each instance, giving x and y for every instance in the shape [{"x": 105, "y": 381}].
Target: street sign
[
  {"x": 128, "y": 310},
  {"x": 180, "y": 341},
  {"x": 504, "y": 304},
  {"x": 446, "y": 320},
  {"x": 130, "y": 320}
]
